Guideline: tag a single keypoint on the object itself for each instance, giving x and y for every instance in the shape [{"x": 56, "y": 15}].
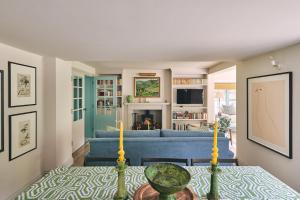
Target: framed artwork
[
  {"x": 146, "y": 86},
  {"x": 22, "y": 134},
  {"x": 269, "y": 112},
  {"x": 21, "y": 85},
  {"x": 1, "y": 111}
]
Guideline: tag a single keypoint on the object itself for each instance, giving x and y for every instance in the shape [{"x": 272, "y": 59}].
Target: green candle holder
[
  {"x": 121, "y": 193},
  {"x": 214, "y": 186}
]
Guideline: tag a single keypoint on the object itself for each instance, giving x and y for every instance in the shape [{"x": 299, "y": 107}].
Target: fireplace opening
[{"x": 146, "y": 119}]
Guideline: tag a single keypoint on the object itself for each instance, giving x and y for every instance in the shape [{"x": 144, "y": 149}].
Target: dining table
[{"x": 100, "y": 182}]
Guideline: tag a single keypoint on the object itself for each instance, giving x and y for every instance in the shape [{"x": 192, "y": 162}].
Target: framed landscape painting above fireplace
[{"x": 147, "y": 87}]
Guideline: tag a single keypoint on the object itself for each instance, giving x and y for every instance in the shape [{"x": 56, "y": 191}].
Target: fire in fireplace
[{"x": 146, "y": 120}]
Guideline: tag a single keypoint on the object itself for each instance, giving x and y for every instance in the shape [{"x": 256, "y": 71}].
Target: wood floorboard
[{"x": 78, "y": 155}]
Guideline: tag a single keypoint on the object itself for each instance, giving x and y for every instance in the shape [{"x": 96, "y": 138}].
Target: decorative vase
[
  {"x": 167, "y": 179},
  {"x": 129, "y": 99}
]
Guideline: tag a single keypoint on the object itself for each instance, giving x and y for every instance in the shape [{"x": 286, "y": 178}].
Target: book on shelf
[
  {"x": 180, "y": 127},
  {"x": 187, "y": 126},
  {"x": 190, "y": 115},
  {"x": 189, "y": 81}
]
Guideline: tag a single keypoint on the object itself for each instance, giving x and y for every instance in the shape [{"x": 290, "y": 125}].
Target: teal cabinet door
[
  {"x": 89, "y": 88},
  {"x": 106, "y": 102}
]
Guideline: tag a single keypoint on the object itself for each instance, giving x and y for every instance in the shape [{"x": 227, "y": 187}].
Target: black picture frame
[
  {"x": 10, "y": 135},
  {"x": 2, "y": 110},
  {"x": 290, "y": 113},
  {"x": 10, "y": 105}
]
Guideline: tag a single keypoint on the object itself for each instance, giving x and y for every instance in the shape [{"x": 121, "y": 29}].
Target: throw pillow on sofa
[
  {"x": 198, "y": 128},
  {"x": 174, "y": 133}
]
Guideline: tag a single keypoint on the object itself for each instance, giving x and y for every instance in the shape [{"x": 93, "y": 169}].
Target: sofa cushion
[
  {"x": 155, "y": 147},
  {"x": 174, "y": 133},
  {"x": 139, "y": 133}
]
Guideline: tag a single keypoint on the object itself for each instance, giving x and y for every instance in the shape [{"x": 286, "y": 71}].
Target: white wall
[
  {"x": 49, "y": 91},
  {"x": 165, "y": 88},
  {"x": 221, "y": 66},
  {"x": 54, "y": 125},
  {"x": 57, "y": 146},
  {"x": 16, "y": 174},
  {"x": 250, "y": 153},
  {"x": 64, "y": 93},
  {"x": 225, "y": 75},
  {"x": 128, "y": 83},
  {"x": 106, "y": 70},
  {"x": 83, "y": 68}
]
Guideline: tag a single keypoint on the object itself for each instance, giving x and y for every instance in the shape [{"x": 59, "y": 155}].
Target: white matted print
[
  {"x": 22, "y": 85},
  {"x": 1, "y": 112},
  {"x": 22, "y": 134},
  {"x": 270, "y": 112}
]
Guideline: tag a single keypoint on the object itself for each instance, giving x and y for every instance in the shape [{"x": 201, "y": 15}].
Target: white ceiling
[
  {"x": 102, "y": 31},
  {"x": 150, "y": 65}
]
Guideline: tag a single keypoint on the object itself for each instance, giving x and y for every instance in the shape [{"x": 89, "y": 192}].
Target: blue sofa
[{"x": 156, "y": 143}]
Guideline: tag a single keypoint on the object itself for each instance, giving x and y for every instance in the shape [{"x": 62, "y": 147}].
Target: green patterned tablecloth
[{"x": 100, "y": 183}]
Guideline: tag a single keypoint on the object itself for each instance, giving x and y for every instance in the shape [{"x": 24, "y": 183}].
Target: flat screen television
[{"x": 189, "y": 96}]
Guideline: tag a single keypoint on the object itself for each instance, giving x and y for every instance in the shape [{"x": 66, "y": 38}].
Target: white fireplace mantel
[
  {"x": 147, "y": 104},
  {"x": 131, "y": 107}
]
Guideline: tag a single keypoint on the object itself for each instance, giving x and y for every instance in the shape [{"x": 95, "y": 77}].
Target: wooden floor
[{"x": 78, "y": 156}]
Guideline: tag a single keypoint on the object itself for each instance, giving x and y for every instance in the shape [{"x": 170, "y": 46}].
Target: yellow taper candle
[
  {"x": 121, "y": 147},
  {"x": 215, "y": 150}
]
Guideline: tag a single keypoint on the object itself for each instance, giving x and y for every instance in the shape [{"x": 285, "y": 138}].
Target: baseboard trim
[
  {"x": 79, "y": 150},
  {"x": 68, "y": 162},
  {"x": 19, "y": 191}
]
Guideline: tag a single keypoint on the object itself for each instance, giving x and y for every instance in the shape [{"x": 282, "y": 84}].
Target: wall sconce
[{"x": 275, "y": 63}]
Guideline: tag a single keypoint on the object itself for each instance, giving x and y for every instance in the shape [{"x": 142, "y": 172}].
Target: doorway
[
  {"x": 222, "y": 101},
  {"x": 78, "y": 102}
]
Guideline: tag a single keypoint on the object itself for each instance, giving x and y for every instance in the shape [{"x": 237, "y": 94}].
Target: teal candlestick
[
  {"x": 122, "y": 193},
  {"x": 214, "y": 186}
]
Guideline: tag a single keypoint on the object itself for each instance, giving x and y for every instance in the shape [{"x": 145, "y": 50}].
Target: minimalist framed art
[
  {"x": 21, "y": 85},
  {"x": 22, "y": 134},
  {"x": 269, "y": 111},
  {"x": 1, "y": 111},
  {"x": 147, "y": 87}
]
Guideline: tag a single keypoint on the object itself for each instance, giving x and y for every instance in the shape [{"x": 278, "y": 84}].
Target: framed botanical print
[
  {"x": 269, "y": 112},
  {"x": 1, "y": 111},
  {"x": 146, "y": 86},
  {"x": 22, "y": 134},
  {"x": 21, "y": 85}
]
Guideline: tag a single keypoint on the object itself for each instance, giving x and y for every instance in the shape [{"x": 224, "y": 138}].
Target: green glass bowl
[{"x": 167, "y": 178}]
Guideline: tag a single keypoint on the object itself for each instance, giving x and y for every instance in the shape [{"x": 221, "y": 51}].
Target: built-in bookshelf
[
  {"x": 119, "y": 91},
  {"x": 189, "y": 81},
  {"x": 109, "y": 100},
  {"x": 184, "y": 115}
]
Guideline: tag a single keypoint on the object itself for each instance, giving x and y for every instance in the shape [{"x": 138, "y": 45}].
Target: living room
[{"x": 131, "y": 82}]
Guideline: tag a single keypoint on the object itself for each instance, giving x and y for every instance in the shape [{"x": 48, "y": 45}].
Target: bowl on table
[{"x": 167, "y": 179}]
